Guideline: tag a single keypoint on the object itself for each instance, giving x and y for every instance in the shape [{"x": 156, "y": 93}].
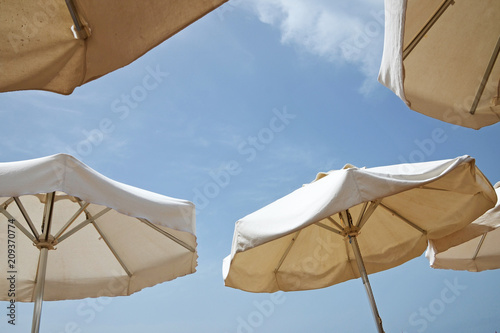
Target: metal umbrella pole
[
  {"x": 366, "y": 282},
  {"x": 44, "y": 244},
  {"x": 39, "y": 288}
]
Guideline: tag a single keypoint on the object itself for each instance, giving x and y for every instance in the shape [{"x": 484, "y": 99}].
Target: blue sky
[{"x": 232, "y": 113}]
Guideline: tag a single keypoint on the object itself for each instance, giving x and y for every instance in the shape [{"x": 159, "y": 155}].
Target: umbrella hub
[
  {"x": 48, "y": 243},
  {"x": 351, "y": 231}
]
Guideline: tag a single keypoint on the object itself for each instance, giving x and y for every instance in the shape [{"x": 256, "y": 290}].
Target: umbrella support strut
[
  {"x": 364, "y": 277},
  {"x": 74, "y": 15},
  {"x": 39, "y": 288}
]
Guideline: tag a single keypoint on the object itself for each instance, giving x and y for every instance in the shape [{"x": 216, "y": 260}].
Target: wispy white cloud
[{"x": 341, "y": 32}]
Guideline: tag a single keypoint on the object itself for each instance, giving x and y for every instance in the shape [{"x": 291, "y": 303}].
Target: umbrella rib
[
  {"x": 365, "y": 215},
  {"x": 7, "y": 202},
  {"x": 427, "y": 27},
  {"x": 111, "y": 248},
  {"x": 479, "y": 246},
  {"x": 74, "y": 15},
  {"x": 486, "y": 76},
  {"x": 405, "y": 220},
  {"x": 172, "y": 237},
  {"x": 26, "y": 217},
  {"x": 73, "y": 218},
  {"x": 47, "y": 216},
  {"x": 327, "y": 227},
  {"x": 335, "y": 222},
  {"x": 345, "y": 217},
  {"x": 83, "y": 224},
  {"x": 286, "y": 252},
  {"x": 17, "y": 224},
  {"x": 361, "y": 214}
]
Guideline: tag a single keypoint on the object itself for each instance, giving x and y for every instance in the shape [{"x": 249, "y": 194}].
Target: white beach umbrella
[
  {"x": 73, "y": 233},
  {"x": 353, "y": 222},
  {"x": 57, "y": 45},
  {"x": 474, "y": 248},
  {"x": 441, "y": 58}
]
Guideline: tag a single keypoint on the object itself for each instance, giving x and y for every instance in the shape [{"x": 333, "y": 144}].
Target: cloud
[{"x": 339, "y": 32}]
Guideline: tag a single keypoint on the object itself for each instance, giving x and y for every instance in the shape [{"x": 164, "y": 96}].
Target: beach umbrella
[
  {"x": 474, "y": 248},
  {"x": 58, "y": 45},
  {"x": 352, "y": 222},
  {"x": 72, "y": 233},
  {"x": 441, "y": 58}
]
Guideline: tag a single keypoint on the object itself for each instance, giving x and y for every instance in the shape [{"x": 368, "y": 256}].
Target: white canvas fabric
[
  {"x": 441, "y": 75},
  {"x": 474, "y": 248},
  {"x": 293, "y": 243},
  {"x": 39, "y": 48},
  {"x": 144, "y": 239}
]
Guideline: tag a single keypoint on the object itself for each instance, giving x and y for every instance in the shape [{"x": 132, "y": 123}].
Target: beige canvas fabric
[
  {"x": 441, "y": 75},
  {"x": 474, "y": 248},
  {"x": 145, "y": 238},
  {"x": 38, "y": 49},
  {"x": 293, "y": 243}
]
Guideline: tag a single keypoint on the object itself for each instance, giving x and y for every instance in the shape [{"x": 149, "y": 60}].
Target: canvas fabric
[
  {"x": 86, "y": 264},
  {"x": 441, "y": 75},
  {"x": 281, "y": 246},
  {"x": 38, "y": 48}
]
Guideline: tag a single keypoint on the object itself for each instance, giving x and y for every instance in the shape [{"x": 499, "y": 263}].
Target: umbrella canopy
[
  {"x": 101, "y": 237},
  {"x": 309, "y": 238},
  {"x": 474, "y": 248},
  {"x": 58, "y": 45},
  {"x": 440, "y": 58}
]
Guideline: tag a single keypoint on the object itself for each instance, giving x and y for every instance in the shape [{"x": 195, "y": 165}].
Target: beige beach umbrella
[
  {"x": 353, "y": 222},
  {"x": 441, "y": 58},
  {"x": 72, "y": 233},
  {"x": 474, "y": 248},
  {"x": 58, "y": 45}
]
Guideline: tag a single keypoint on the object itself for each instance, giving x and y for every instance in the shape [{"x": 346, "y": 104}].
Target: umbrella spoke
[
  {"x": 479, "y": 246},
  {"x": 76, "y": 20},
  {"x": 427, "y": 27},
  {"x": 365, "y": 204},
  {"x": 294, "y": 238},
  {"x": 366, "y": 213},
  {"x": 486, "y": 76},
  {"x": 327, "y": 227},
  {"x": 172, "y": 237},
  {"x": 17, "y": 224},
  {"x": 346, "y": 218},
  {"x": 7, "y": 202},
  {"x": 335, "y": 222},
  {"x": 111, "y": 249},
  {"x": 83, "y": 224},
  {"x": 424, "y": 232},
  {"x": 73, "y": 218},
  {"x": 47, "y": 216},
  {"x": 26, "y": 217}
]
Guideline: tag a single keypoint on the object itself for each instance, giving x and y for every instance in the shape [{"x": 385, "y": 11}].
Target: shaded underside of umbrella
[
  {"x": 440, "y": 58},
  {"x": 94, "y": 250},
  {"x": 58, "y": 45},
  {"x": 77, "y": 234},
  {"x": 474, "y": 248},
  {"x": 309, "y": 238}
]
